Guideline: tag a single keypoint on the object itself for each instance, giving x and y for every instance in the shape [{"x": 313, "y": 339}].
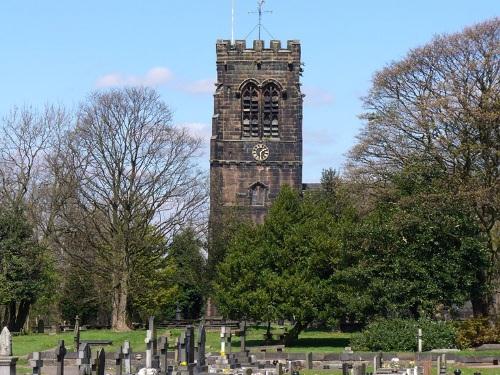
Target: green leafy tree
[
  {"x": 160, "y": 284},
  {"x": 419, "y": 249},
  {"x": 25, "y": 269},
  {"x": 442, "y": 102},
  {"x": 280, "y": 269}
]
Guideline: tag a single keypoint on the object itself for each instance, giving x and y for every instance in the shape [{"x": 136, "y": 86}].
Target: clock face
[{"x": 260, "y": 152}]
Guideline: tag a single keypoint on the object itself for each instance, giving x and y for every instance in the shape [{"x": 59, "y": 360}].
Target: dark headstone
[
  {"x": 202, "y": 337},
  {"x": 40, "y": 327},
  {"x": 189, "y": 344},
  {"x": 60, "y": 354},
  {"x": 101, "y": 362}
]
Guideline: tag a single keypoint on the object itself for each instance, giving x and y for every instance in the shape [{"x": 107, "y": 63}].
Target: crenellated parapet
[{"x": 258, "y": 51}]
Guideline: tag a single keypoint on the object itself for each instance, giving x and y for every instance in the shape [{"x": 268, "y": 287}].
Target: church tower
[{"x": 256, "y": 143}]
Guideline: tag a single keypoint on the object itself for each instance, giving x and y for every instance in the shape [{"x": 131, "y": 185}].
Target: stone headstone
[
  {"x": 76, "y": 333},
  {"x": 127, "y": 358},
  {"x": 152, "y": 328},
  {"x": 149, "y": 348},
  {"x": 189, "y": 344},
  {"x": 84, "y": 360},
  {"x": 202, "y": 338},
  {"x": 5, "y": 343},
  {"x": 40, "y": 327},
  {"x": 36, "y": 363},
  {"x": 309, "y": 361},
  {"x": 163, "y": 353},
  {"x": 243, "y": 332}
]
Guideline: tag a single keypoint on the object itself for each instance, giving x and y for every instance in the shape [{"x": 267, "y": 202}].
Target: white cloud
[
  {"x": 156, "y": 76},
  {"x": 202, "y": 86},
  {"x": 316, "y": 96}
]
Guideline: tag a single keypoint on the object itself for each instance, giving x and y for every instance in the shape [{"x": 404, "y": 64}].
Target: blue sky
[{"x": 59, "y": 51}]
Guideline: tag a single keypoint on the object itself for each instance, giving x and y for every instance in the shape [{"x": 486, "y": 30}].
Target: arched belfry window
[
  {"x": 260, "y": 110},
  {"x": 270, "y": 111},
  {"x": 250, "y": 115}
]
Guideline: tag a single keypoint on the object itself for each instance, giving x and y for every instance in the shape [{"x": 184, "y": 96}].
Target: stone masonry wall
[{"x": 234, "y": 172}]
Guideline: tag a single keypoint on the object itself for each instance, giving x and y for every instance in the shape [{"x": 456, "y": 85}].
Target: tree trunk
[
  {"x": 22, "y": 313},
  {"x": 119, "y": 315},
  {"x": 293, "y": 335}
]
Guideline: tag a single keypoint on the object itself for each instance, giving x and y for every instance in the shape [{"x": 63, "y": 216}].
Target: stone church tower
[{"x": 256, "y": 143}]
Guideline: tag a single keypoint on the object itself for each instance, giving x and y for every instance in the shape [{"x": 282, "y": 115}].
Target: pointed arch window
[
  {"x": 260, "y": 111},
  {"x": 250, "y": 115},
  {"x": 270, "y": 111}
]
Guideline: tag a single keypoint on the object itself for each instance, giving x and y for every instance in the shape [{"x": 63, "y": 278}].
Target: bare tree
[
  {"x": 440, "y": 103},
  {"x": 27, "y": 137},
  {"x": 128, "y": 175}
]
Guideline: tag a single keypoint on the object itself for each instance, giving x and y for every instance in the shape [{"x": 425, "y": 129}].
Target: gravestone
[
  {"x": 359, "y": 369},
  {"x": 149, "y": 348},
  {"x": 84, "y": 360},
  {"x": 309, "y": 361},
  {"x": 119, "y": 361},
  {"x": 163, "y": 353},
  {"x": 60, "y": 354},
  {"x": 243, "y": 332},
  {"x": 377, "y": 362},
  {"x": 7, "y": 362},
  {"x": 181, "y": 349},
  {"x": 76, "y": 333},
  {"x": 5, "y": 343},
  {"x": 225, "y": 340},
  {"x": 40, "y": 327},
  {"x": 127, "y": 358},
  {"x": 190, "y": 344},
  {"x": 152, "y": 328},
  {"x": 101, "y": 362},
  {"x": 202, "y": 339},
  {"x": 36, "y": 363}
]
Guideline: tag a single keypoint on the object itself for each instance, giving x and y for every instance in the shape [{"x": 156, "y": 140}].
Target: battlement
[{"x": 225, "y": 47}]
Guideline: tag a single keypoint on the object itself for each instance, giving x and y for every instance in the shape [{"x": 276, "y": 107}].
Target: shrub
[
  {"x": 401, "y": 335},
  {"x": 477, "y": 331}
]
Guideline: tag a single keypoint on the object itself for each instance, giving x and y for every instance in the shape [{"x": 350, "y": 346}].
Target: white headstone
[{"x": 5, "y": 343}]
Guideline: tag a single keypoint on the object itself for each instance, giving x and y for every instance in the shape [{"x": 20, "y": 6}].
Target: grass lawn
[{"x": 309, "y": 341}]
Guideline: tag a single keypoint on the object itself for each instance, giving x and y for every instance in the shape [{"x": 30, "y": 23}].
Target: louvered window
[
  {"x": 250, "y": 115},
  {"x": 270, "y": 112},
  {"x": 260, "y": 111}
]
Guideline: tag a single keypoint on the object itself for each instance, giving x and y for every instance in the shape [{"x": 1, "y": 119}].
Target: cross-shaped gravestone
[
  {"x": 119, "y": 361},
  {"x": 127, "y": 357},
  {"x": 60, "y": 354},
  {"x": 36, "y": 363},
  {"x": 5, "y": 343}
]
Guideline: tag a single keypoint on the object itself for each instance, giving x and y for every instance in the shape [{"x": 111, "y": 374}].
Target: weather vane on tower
[{"x": 260, "y": 11}]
